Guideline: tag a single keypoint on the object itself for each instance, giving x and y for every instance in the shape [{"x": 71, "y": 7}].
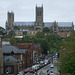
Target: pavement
[{"x": 55, "y": 69}]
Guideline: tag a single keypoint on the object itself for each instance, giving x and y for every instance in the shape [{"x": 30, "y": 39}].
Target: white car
[
  {"x": 21, "y": 73},
  {"x": 51, "y": 65},
  {"x": 51, "y": 73},
  {"x": 35, "y": 67}
]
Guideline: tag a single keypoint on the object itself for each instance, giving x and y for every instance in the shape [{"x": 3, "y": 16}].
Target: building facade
[
  {"x": 1, "y": 57},
  {"x": 33, "y": 27},
  {"x": 15, "y": 59}
]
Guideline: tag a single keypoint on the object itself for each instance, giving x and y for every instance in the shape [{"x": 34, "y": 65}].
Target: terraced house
[{"x": 33, "y": 27}]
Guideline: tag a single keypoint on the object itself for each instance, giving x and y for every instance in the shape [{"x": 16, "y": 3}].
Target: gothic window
[
  {"x": 37, "y": 23},
  {"x": 38, "y": 13}
]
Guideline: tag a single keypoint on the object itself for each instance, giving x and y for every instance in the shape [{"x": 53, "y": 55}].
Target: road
[
  {"x": 46, "y": 67},
  {"x": 55, "y": 69}
]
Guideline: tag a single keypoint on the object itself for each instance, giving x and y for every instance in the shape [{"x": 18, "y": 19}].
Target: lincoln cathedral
[{"x": 63, "y": 29}]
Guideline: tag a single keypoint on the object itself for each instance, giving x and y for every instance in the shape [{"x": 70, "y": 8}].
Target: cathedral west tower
[{"x": 10, "y": 20}]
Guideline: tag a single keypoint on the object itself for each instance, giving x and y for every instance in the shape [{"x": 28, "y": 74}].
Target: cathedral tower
[
  {"x": 10, "y": 20},
  {"x": 39, "y": 17},
  {"x": 55, "y": 27}
]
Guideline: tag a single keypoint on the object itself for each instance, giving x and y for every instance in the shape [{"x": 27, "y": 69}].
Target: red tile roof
[{"x": 64, "y": 32}]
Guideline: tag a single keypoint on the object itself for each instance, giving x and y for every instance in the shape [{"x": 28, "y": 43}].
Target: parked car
[
  {"x": 46, "y": 62},
  {"x": 21, "y": 73},
  {"x": 51, "y": 65},
  {"x": 31, "y": 71},
  {"x": 51, "y": 73},
  {"x": 36, "y": 67}
]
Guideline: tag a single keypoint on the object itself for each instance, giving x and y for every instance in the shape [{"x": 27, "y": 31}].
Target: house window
[
  {"x": 20, "y": 66},
  {"x": 30, "y": 33}
]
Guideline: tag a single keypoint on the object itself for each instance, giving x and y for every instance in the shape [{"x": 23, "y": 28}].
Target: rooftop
[
  {"x": 9, "y": 49},
  {"x": 23, "y": 23}
]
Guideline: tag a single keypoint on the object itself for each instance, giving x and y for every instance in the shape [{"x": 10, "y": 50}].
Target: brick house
[
  {"x": 29, "y": 46},
  {"x": 1, "y": 57},
  {"x": 34, "y": 50},
  {"x": 11, "y": 53},
  {"x": 64, "y": 34}
]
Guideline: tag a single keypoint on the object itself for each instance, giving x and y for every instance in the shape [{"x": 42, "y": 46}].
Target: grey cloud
[{"x": 24, "y": 10}]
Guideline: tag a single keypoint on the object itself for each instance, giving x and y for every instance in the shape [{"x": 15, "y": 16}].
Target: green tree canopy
[
  {"x": 2, "y": 31},
  {"x": 67, "y": 55},
  {"x": 11, "y": 34},
  {"x": 13, "y": 41},
  {"x": 39, "y": 35},
  {"x": 46, "y": 30},
  {"x": 16, "y": 28},
  {"x": 26, "y": 38}
]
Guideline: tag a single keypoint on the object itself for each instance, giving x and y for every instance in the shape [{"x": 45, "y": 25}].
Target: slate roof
[
  {"x": 9, "y": 48},
  {"x": 8, "y": 63},
  {"x": 11, "y": 58},
  {"x": 60, "y": 24},
  {"x": 64, "y": 24},
  {"x": 48, "y": 24},
  {"x": 23, "y": 23}
]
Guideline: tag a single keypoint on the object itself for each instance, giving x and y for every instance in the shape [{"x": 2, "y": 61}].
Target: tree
[
  {"x": 46, "y": 30},
  {"x": 40, "y": 35},
  {"x": 13, "y": 41},
  {"x": 44, "y": 45},
  {"x": 2, "y": 31},
  {"x": 16, "y": 28},
  {"x": 11, "y": 34},
  {"x": 26, "y": 38},
  {"x": 67, "y": 55}
]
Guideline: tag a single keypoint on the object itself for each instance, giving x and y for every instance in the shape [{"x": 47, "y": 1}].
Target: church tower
[
  {"x": 10, "y": 20},
  {"x": 39, "y": 18},
  {"x": 55, "y": 27}
]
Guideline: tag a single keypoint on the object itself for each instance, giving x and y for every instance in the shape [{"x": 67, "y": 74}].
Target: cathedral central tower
[{"x": 39, "y": 18}]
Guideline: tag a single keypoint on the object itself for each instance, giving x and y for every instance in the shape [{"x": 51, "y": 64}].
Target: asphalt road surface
[{"x": 55, "y": 69}]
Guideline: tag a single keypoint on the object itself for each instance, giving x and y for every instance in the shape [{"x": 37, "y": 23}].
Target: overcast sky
[{"x": 24, "y": 10}]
